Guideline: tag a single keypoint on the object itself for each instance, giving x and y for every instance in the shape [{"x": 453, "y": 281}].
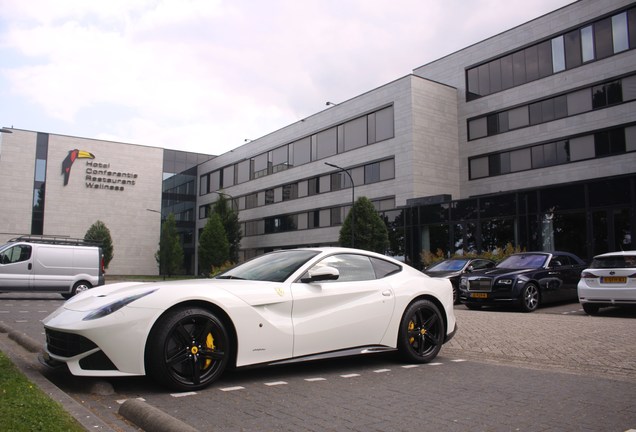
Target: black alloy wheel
[
  {"x": 422, "y": 332},
  {"x": 530, "y": 298},
  {"x": 187, "y": 349}
]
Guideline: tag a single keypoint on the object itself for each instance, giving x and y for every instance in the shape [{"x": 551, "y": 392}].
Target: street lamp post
[{"x": 353, "y": 209}]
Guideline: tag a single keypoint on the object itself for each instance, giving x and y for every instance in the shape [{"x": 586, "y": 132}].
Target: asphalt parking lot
[{"x": 555, "y": 369}]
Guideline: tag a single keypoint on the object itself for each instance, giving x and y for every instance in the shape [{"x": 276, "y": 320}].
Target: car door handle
[
  {"x": 30, "y": 266},
  {"x": 386, "y": 293},
  {"x": 554, "y": 273}
]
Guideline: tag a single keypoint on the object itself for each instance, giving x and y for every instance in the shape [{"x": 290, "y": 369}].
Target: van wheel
[{"x": 79, "y": 287}]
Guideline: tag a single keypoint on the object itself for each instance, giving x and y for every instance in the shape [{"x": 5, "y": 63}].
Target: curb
[
  {"x": 141, "y": 414},
  {"x": 150, "y": 418}
]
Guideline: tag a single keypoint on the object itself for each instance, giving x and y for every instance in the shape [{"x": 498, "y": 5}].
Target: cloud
[{"x": 203, "y": 75}]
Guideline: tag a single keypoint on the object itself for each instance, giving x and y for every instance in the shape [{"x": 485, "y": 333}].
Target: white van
[{"x": 49, "y": 264}]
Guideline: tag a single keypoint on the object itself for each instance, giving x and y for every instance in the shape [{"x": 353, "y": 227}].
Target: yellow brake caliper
[
  {"x": 411, "y": 327},
  {"x": 209, "y": 342}
]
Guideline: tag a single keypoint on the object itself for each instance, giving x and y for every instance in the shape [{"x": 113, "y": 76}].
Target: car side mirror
[
  {"x": 470, "y": 269},
  {"x": 322, "y": 273}
]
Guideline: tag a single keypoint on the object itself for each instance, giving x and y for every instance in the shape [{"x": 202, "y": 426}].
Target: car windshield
[
  {"x": 614, "y": 262},
  {"x": 272, "y": 267},
  {"x": 523, "y": 261},
  {"x": 449, "y": 265}
]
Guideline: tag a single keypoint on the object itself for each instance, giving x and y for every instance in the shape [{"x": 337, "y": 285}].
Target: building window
[
  {"x": 243, "y": 171},
  {"x": 546, "y": 110},
  {"x": 605, "y": 143},
  {"x": 599, "y": 40},
  {"x": 302, "y": 151}
]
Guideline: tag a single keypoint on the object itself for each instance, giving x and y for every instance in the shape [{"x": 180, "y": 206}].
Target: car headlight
[
  {"x": 504, "y": 282},
  {"x": 463, "y": 281},
  {"x": 115, "y": 306}
]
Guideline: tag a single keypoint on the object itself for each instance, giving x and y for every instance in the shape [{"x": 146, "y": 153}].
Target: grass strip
[{"x": 24, "y": 407}]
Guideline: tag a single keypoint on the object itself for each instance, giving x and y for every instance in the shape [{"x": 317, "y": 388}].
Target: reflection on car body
[{"x": 525, "y": 279}]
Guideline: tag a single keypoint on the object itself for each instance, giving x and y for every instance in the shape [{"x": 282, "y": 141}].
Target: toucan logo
[{"x": 70, "y": 158}]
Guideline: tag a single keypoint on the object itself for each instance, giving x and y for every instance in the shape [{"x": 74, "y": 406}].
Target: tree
[
  {"x": 369, "y": 230},
  {"x": 170, "y": 253},
  {"x": 214, "y": 248},
  {"x": 230, "y": 221},
  {"x": 99, "y": 232}
]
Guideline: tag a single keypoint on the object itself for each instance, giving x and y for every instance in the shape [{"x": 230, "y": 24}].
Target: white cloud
[{"x": 203, "y": 75}]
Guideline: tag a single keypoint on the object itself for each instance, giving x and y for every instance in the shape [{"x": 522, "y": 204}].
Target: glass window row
[
  {"x": 592, "y": 42},
  {"x": 316, "y": 218},
  {"x": 591, "y": 98},
  {"x": 368, "y": 129},
  {"x": 600, "y": 144},
  {"x": 366, "y": 174}
]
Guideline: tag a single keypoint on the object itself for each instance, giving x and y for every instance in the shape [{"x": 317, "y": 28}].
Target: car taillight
[
  {"x": 102, "y": 264},
  {"x": 588, "y": 275}
]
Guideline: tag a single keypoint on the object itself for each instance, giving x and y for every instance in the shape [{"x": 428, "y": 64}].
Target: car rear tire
[
  {"x": 530, "y": 298},
  {"x": 187, "y": 349},
  {"x": 590, "y": 308},
  {"x": 421, "y": 333},
  {"x": 79, "y": 287}
]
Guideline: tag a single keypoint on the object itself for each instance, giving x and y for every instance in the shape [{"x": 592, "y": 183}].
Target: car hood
[
  {"x": 251, "y": 292},
  {"x": 499, "y": 272}
]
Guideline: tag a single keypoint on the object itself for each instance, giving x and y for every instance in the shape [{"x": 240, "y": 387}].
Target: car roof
[{"x": 618, "y": 253}]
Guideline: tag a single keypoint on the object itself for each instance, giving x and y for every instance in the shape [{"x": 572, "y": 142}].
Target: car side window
[
  {"x": 384, "y": 268},
  {"x": 482, "y": 264},
  {"x": 15, "y": 254},
  {"x": 559, "y": 261},
  {"x": 350, "y": 266}
]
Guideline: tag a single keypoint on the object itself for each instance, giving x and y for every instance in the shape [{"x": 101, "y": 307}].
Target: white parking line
[
  {"x": 315, "y": 379},
  {"x": 350, "y": 375},
  {"x": 178, "y": 395},
  {"x": 410, "y": 366},
  {"x": 382, "y": 370},
  {"x": 275, "y": 383},
  {"x": 227, "y": 389}
]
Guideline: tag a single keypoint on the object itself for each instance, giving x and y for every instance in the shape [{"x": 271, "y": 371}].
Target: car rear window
[{"x": 622, "y": 261}]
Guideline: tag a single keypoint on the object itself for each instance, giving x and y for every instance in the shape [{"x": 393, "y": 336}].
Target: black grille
[
  {"x": 479, "y": 284},
  {"x": 67, "y": 344}
]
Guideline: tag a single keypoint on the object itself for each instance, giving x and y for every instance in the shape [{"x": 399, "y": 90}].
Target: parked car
[
  {"x": 50, "y": 264},
  {"x": 453, "y": 268},
  {"x": 525, "y": 279},
  {"x": 289, "y": 305},
  {"x": 609, "y": 281}
]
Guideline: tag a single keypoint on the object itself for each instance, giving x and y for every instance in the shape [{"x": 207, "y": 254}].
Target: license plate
[
  {"x": 479, "y": 295},
  {"x": 614, "y": 279}
]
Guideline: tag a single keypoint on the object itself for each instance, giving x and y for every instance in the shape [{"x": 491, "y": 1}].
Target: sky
[{"x": 207, "y": 75}]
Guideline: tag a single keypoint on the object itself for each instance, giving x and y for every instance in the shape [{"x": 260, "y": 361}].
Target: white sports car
[{"x": 288, "y": 305}]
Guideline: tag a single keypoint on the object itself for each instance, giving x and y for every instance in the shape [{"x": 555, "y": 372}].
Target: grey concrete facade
[
  {"x": 451, "y": 70},
  {"x": 117, "y": 186}
]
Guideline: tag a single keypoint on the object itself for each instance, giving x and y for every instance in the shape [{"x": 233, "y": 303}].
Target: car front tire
[
  {"x": 188, "y": 349},
  {"x": 421, "y": 332},
  {"x": 530, "y": 298}
]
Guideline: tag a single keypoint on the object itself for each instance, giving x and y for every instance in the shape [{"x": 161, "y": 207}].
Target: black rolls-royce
[{"x": 525, "y": 279}]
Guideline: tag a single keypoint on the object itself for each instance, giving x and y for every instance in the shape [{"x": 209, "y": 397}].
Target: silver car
[{"x": 609, "y": 281}]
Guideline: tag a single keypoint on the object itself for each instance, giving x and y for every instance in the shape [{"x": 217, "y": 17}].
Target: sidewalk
[{"x": 579, "y": 344}]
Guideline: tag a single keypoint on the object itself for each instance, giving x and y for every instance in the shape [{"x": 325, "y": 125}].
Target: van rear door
[{"x": 16, "y": 268}]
